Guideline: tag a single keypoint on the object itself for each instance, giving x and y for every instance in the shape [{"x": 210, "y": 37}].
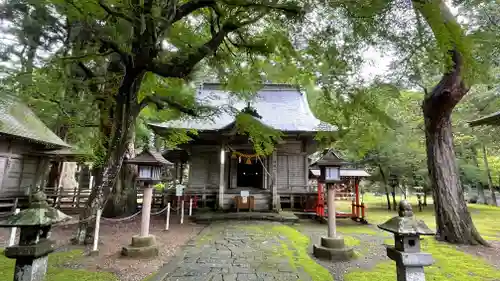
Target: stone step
[
  {"x": 215, "y": 216},
  {"x": 333, "y": 254}
]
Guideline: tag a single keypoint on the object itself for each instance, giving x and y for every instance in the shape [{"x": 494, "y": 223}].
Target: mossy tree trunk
[{"x": 123, "y": 198}]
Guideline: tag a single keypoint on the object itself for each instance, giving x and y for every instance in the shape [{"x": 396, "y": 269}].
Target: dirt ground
[
  {"x": 114, "y": 235},
  {"x": 491, "y": 254}
]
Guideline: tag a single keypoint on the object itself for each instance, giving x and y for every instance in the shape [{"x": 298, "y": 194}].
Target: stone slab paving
[
  {"x": 368, "y": 253},
  {"x": 235, "y": 251}
]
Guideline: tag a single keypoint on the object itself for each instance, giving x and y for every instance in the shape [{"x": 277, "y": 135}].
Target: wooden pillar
[
  {"x": 306, "y": 172},
  {"x": 221, "y": 177},
  {"x": 356, "y": 190},
  {"x": 274, "y": 179}
]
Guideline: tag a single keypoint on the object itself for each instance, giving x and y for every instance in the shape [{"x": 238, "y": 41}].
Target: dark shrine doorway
[{"x": 249, "y": 174}]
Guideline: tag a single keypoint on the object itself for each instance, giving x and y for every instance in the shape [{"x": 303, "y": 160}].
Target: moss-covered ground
[
  {"x": 450, "y": 262},
  {"x": 56, "y": 270}
]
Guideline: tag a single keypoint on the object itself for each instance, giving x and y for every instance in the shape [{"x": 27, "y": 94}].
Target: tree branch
[
  {"x": 163, "y": 102},
  {"x": 190, "y": 7},
  {"x": 288, "y": 8},
  {"x": 87, "y": 70},
  {"x": 181, "y": 66},
  {"x": 85, "y": 56},
  {"x": 115, "y": 13},
  {"x": 106, "y": 43}
]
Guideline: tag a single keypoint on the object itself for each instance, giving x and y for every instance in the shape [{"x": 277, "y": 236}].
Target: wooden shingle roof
[
  {"x": 150, "y": 157},
  {"x": 280, "y": 106},
  {"x": 17, "y": 120},
  {"x": 492, "y": 120}
]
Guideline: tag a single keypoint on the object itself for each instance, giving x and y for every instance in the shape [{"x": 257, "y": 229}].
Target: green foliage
[{"x": 263, "y": 137}]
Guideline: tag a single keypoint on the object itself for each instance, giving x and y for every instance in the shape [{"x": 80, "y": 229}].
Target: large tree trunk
[
  {"x": 490, "y": 181},
  {"x": 125, "y": 111},
  {"x": 123, "y": 197},
  {"x": 453, "y": 220}
]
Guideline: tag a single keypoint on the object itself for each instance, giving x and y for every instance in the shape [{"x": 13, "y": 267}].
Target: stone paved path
[
  {"x": 369, "y": 253},
  {"x": 237, "y": 251}
]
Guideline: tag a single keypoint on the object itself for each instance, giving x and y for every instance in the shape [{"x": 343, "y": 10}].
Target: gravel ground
[
  {"x": 370, "y": 252},
  {"x": 113, "y": 236}
]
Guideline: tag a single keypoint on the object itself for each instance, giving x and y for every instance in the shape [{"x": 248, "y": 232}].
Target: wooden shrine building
[
  {"x": 222, "y": 163},
  {"x": 26, "y": 145}
]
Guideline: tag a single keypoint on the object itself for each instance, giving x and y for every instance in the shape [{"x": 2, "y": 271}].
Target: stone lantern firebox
[
  {"x": 150, "y": 166},
  {"x": 406, "y": 253},
  {"x": 331, "y": 247},
  {"x": 31, "y": 254}
]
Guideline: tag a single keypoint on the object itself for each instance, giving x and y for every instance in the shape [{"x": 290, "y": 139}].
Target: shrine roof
[
  {"x": 492, "y": 119},
  {"x": 18, "y": 120},
  {"x": 281, "y": 106},
  {"x": 149, "y": 157}
]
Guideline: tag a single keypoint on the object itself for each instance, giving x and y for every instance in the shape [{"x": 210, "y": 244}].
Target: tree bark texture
[
  {"x": 125, "y": 112},
  {"x": 453, "y": 220},
  {"x": 123, "y": 197},
  {"x": 490, "y": 181}
]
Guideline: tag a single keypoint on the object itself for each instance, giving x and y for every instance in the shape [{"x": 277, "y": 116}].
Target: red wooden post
[
  {"x": 353, "y": 211},
  {"x": 356, "y": 190},
  {"x": 320, "y": 205}
]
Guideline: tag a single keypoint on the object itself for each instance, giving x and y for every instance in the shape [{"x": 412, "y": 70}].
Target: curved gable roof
[
  {"x": 282, "y": 107},
  {"x": 17, "y": 119}
]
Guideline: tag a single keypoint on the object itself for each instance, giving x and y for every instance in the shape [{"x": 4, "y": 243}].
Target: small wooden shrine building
[
  {"x": 222, "y": 163},
  {"x": 348, "y": 189},
  {"x": 26, "y": 144}
]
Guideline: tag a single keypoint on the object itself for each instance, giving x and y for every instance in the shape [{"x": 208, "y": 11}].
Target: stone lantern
[
  {"x": 332, "y": 247},
  {"x": 150, "y": 166},
  {"x": 406, "y": 253},
  {"x": 31, "y": 254}
]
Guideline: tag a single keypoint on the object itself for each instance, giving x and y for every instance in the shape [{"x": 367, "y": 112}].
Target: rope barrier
[
  {"x": 160, "y": 212},
  {"x": 122, "y": 219},
  {"x": 91, "y": 218}
]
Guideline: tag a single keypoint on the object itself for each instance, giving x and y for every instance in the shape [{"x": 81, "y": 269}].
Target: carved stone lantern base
[
  {"x": 333, "y": 249},
  {"x": 141, "y": 247},
  {"x": 31, "y": 260}
]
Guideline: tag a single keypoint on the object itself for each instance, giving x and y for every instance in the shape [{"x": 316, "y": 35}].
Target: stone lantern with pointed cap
[
  {"x": 406, "y": 253},
  {"x": 150, "y": 165},
  {"x": 32, "y": 252}
]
